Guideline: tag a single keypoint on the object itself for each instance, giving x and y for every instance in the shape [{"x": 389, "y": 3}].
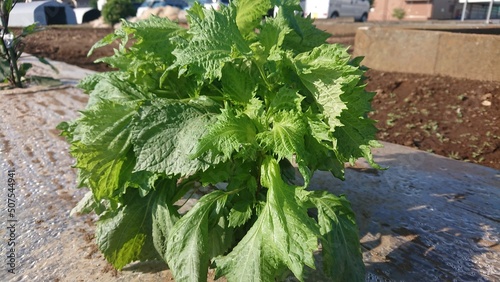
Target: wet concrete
[{"x": 426, "y": 218}]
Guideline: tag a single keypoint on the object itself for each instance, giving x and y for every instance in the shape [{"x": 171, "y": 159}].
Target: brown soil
[{"x": 452, "y": 117}]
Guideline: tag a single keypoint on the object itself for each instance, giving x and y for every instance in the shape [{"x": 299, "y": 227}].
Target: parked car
[
  {"x": 323, "y": 9},
  {"x": 148, "y": 4}
]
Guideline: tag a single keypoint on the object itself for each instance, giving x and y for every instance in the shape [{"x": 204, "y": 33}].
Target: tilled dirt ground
[{"x": 456, "y": 118}]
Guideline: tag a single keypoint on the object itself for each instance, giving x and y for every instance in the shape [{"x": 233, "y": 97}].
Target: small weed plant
[
  {"x": 241, "y": 104},
  {"x": 11, "y": 48},
  {"x": 399, "y": 13}
]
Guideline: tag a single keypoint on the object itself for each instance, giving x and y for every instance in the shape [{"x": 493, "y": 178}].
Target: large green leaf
[
  {"x": 283, "y": 236},
  {"x": 286, "y": 139},
  {"x": 342, "y": 258},
  {"x": 166, "y": 135},
  {"x": 249, "y": 13},
  {"x": 335, "y": 85},
  {"x": 111, "y": 86},
  {"x": 286, "y": 99},
  {"x": 304, "y": 35},
  {"x": 164, "y": 214},
  {"x": 325, "y": 73},
  {"x": 238, "y": 83},
  {"x": 102, "y": 147},
  {"x": 272, "y": 34},
  {"x": 357, "y": 135},
  {"x": 216, "y": 40},
  {"x": 286, "y": 136},
  {"x": 188, "y": 244},
  {"x": 125, "y": 235},
  {"x": 230, "y": 134}
]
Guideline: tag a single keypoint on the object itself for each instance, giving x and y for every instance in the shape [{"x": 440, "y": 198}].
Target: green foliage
[
  {"x": 399, "y": 13},
  {"x": 114, "y": 10},
  {"x": 11, "y": 48},
  {"x": 93, "y": 4},
  {"x": 234, "y": 100}
]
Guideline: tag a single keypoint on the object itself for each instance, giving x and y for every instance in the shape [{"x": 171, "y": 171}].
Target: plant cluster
[
  {"x": 254, "y": 104},
  {"x": 399, "y": 13},
  {"x": 11, "y": 47},
  {"x": 114, "y": 10}
]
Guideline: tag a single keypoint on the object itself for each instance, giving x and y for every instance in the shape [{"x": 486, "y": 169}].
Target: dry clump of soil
[{"x": 456, "y": 118}]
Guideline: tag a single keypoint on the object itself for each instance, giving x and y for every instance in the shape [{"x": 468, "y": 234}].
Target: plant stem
[{"x": 10, "y": 51}]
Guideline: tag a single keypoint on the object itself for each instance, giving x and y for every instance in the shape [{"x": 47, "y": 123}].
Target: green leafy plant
[
  {"x": 11, "y": 48},
  {"x": 246, "y": 106},
  {"x": 399, "y": 13},
  {"x": 114, "y": 10}
]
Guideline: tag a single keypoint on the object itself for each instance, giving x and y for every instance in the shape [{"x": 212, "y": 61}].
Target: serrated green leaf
[
  {"x": 304, "y": 36},
  {"x": 327, "y": 78},
  {"x": 357, "y": 135},
  {"x": 272, "y": 34},
  {"x": 238, "y": 83},
  {"x": 342, "y": 257},
  {"x": 220, "y": 235},
  {"x": 108, "y": 39},
  {"x": 112, "y": 86},
  {"x": 164, "y": 214},
  {"x": 102, "y": 147},
  {"x": 143, "y": 180},
  {"x": 124, "y": 235},
  {"x": 241, "y": 212},
  {"x": 166, "y": 134},
  {"x": 216, "y": 40},
  {"x": 255, "y": 111},
  {"x": 250, "y": 13},
  {"x": 153, "y": 34},
  {"x": 230, "y": 134},
  {"x": 286, "y": 135},
  {"x": 283, "y": 236},
  {"x": 320, "y": 147},
  {"x": 286, "y": 99},
  {"x": 355, "y": 140},
  {"x": 285, "y": 139},
  {"x": 187, "y": 249}
]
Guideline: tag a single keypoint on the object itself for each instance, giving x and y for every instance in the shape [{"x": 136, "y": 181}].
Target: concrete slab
[
  {"x": 462, "y": 55},
  {"x": 426, "y": 218}
]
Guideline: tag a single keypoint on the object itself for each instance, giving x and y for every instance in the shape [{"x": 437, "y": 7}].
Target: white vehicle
[{"x": 324, "y": 9}]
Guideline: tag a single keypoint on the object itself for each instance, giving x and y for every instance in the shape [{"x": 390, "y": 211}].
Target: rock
[{"x": 486, "y": 103}]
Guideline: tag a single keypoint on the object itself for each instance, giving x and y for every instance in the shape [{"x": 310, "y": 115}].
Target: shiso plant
[{"x": 248, "y": 106}]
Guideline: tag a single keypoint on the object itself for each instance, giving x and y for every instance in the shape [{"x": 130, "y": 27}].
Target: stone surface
[
  {"x": 426, "y": 218},
  {"x": 463, "y": 55}
]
